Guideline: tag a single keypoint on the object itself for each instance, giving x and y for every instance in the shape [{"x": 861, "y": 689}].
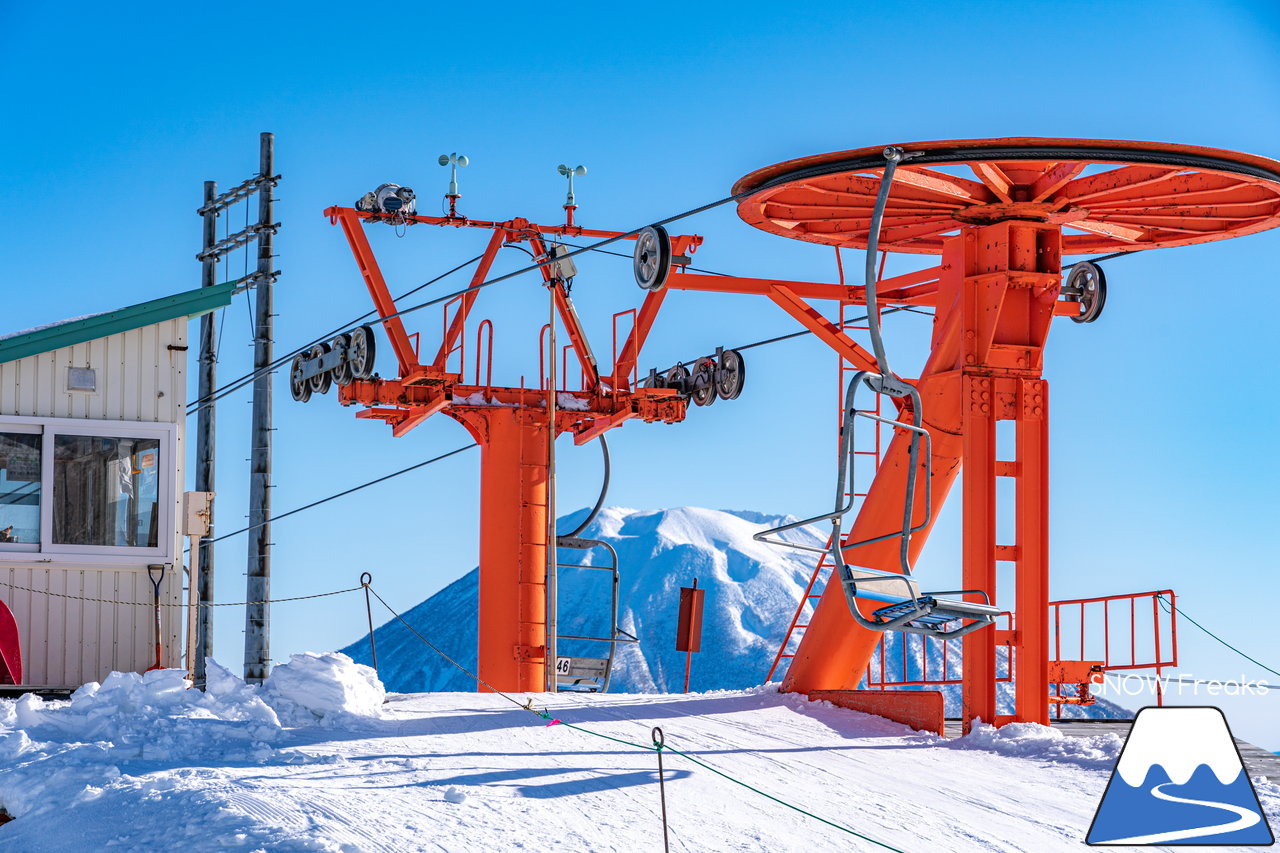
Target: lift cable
[
  {"x": 1167, "y": 605},
  {"x": 598, "y": 246},
  {"x": 654, "y": 747},
  {"x": 236, "y": 384},
  {"x": 537, "y": 265},
  {"x": 344, "y": 493}
]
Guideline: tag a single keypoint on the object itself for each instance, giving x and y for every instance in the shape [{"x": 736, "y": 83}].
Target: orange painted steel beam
[
  {"x": 459, "y": 323},
  {"x": 922, "y": 710},
  {"x": 630, "y": 352},
  {"x": 1031, "y": 664},
  {"x": 516, "y": 230},
  {"x": 377, "y": 285},
  {"x": 826, "y": 331},
  {"x": 513, "y": 547},
  {"x": 577, "y": 335}
]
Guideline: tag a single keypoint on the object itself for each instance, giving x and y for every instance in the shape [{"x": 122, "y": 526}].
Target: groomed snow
[{"x": 315, "y": 761}]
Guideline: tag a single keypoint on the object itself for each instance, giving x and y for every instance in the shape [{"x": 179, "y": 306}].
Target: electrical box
[
  {"x": 197, "y": 513},
  {"x": 561, "y": 267}
]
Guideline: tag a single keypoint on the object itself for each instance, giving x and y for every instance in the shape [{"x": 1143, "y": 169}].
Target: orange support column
[
  {"x": 978, "y": 563},
  {"x": 1032, "y": 657},
  {"x": 513, "y": 546}
]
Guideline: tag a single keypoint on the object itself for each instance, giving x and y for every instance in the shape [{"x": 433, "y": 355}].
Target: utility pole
[
  {"x": 257, "y": 622},
  {"x": 202, "y": 580}
]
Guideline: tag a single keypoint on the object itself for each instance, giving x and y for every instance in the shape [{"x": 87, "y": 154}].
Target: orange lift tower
[
  {"x": 1000, "y": 213},
  {"x": 511, "y": 424}
]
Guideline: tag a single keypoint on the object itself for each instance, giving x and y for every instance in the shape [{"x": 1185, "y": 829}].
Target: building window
[
  {"x": 73, "y": 490},
  {"x": 106, "y": 491},
  {"x": 20, "y": 488}
]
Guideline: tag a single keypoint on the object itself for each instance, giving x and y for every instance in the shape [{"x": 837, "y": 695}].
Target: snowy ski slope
[{"x": 314, "y": 761}]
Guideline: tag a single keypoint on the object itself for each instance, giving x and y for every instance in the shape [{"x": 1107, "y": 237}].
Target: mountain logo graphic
[{"x": 1180, "y": 781}]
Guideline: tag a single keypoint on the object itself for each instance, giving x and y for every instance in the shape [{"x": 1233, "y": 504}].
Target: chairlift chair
[{"x": 903, "y": 606}]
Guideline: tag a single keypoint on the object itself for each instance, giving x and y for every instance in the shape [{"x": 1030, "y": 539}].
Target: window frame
[
  {"x": 27, "y": 429},
  {"x": 46, "y": 551}
]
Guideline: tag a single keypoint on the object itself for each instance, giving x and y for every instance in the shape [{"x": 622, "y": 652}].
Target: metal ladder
[{"x": 825, "y": 565}]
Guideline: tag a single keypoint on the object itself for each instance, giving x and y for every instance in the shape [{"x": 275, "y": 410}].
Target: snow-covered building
[{"x": 92, "y": 415}]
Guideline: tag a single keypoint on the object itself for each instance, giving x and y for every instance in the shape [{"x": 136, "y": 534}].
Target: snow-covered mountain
[{"x": 751, "y": 593}]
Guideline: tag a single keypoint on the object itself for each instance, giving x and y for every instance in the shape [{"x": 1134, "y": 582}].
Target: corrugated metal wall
[{"x": 141, "y": 376}]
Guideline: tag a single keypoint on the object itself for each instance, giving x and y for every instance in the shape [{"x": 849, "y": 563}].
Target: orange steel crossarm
[
  {"x": 762, "y": 286},
  {"x": 913, "y": 288},
  {"x": 826, "y": 331},
  {"x": 568, "y": 316},
  {"x": 473, "y": 290},
  {"x": 350, "y": 222},
  {"x": 681, "y": 244},
  {"x": 630, "y": 353}
]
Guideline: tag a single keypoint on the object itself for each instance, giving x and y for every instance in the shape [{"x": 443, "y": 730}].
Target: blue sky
[{"x": 1161, "y": 411}]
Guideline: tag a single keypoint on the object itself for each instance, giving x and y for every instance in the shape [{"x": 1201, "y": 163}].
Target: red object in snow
[
  {"x": 10, "y": 648},
  {"x": 689, "y": 630}
]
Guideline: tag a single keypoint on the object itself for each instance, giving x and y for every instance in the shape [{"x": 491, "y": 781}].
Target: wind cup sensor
[
  {"x": 570, "y": 205},
  {"x": 454, "y": 161}
]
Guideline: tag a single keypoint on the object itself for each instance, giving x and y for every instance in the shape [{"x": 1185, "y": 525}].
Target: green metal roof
[{"x": 67, "y": 333}]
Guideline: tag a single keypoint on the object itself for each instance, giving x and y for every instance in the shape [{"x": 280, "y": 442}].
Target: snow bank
[
  {"x": 1031, "y": 740},
  {"x": 154, "y": 717},
  {"x": 324, "y": 685}
]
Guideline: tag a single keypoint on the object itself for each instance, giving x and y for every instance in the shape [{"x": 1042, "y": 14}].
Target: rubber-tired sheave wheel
[
  {"x": 300, "y": 388},
  {"x": 677, "y": 378},
  {"x": 361, "y": 354},
  {"x": 652, "y": 259},
  {"x": 1088, "y": 284},
  {"x": 703, "y": 382},
  {"x": 321, "y": 381},
  {"x": 730, "y": 375},
  {"x": 342, "y": 374}
]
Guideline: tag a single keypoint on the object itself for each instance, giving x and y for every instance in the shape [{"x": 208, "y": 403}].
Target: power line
[{"x": 346, "y": 492}]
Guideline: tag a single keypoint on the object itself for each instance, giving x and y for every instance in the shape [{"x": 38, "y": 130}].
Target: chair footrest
[{"x": 935, "y": 612}]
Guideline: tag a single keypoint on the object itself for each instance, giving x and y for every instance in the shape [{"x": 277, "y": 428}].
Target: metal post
[
  {"x": 550, "y": 662},
  {"x": 193, "y": 608},
  {"x": 365, "y": 579},
  {"x": 659, "y": 741},
  {"x": 688, "y": 654},
  {"x": 257, "y": 633},
  {"x": 202, "y": 559}
]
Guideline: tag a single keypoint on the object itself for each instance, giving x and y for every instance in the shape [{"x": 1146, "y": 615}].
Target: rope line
[
  {"x": 343, "y": 493},
  {"x": 167, "y": 604},
  {"x": 528, "y": 706},
  {"x": 1166, "y": 605}
]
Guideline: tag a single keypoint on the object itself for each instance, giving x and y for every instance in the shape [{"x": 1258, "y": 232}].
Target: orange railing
[{"x": 1124, "y": 632}]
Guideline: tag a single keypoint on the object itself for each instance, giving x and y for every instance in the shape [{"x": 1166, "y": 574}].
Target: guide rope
[
  {"x": 167, "y": 604},
  {"x": 1166, "y": 605},
  {"x": 551, "y": 721}
]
